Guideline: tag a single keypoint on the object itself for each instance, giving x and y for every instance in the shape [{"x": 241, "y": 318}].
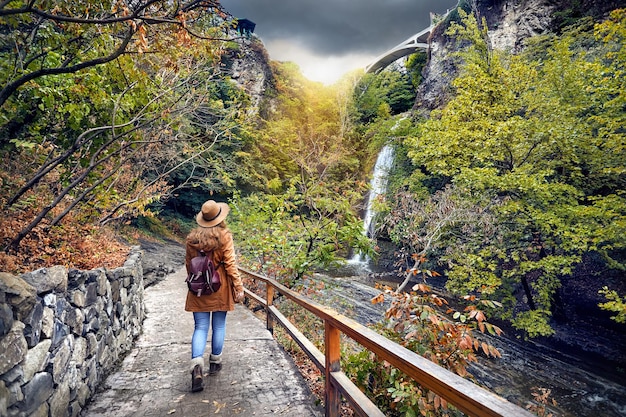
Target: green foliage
[
  {"x": 615, "y": 303},
  {"x": 415, "y": 64},
  {"x": 379, "y": 95},
  {"x": 534, "y": 323},
  {"x": 568, "y": 16},
  {"x": 308, "y": 226}
]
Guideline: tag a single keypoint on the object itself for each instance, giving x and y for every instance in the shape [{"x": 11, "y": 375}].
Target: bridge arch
[{"x": 407, "y": 47}]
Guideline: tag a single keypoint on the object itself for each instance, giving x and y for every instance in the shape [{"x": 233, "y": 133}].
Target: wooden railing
[{"x": 470, "y": 398}]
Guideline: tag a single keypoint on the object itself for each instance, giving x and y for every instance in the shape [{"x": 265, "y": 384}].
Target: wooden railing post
[
  {"x": 332, "y": 348},
  {"x": 269, "y": 293}
]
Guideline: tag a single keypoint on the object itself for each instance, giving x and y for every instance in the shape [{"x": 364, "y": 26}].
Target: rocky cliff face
[
  {"x": 510, "y": 22},
  {"x": 249, "y": 66}
]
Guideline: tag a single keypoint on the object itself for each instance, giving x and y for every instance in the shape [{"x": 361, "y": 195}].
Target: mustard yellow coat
[{"x": 224, "y": 259}]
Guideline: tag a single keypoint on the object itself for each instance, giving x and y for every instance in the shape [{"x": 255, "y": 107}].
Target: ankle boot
[
  {"x": 196, "y": 374},
  {"x": 215, "y": 364}
]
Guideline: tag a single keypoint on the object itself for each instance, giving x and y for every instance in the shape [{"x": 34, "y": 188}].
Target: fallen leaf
[{"x": 218, "y": 406}]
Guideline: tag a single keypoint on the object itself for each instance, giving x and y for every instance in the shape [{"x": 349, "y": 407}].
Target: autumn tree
[{"x": 92, "y": 95}]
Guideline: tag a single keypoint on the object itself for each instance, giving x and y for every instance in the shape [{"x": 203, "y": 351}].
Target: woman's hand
[{"x": 239, "y": 296}]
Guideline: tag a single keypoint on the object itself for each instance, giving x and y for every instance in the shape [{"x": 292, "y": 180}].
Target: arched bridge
[{"x": 408, "y": 47}]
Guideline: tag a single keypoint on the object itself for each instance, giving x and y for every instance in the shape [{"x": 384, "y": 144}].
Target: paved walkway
[{"x": 258, "y": 378}]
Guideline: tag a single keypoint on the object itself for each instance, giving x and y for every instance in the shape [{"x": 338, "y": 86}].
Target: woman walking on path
[{"x": 212, "y": 236}]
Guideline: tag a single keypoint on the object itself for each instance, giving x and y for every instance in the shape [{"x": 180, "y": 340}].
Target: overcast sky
[{"x": 328, "y": 38}]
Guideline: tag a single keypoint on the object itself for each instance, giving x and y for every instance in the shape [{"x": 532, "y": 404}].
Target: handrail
[{"x": 468, "y": 397}]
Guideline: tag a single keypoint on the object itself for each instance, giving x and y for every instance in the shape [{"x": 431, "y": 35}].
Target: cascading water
[{"x": 378, "y": 185}]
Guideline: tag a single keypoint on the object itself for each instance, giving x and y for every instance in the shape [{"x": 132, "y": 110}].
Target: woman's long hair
[{"x": 208, "y": 238}]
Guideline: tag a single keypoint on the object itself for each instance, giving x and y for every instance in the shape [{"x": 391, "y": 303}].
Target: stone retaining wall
[{"x": 62, "y": 332}]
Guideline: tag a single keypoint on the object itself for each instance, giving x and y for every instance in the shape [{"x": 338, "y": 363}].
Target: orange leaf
[
  {"x": 480, "y": 316},
  {"x": 378, "y": 299}
]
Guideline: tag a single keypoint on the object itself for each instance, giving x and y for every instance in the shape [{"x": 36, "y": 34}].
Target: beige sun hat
[{"x": 212, "y": 213}]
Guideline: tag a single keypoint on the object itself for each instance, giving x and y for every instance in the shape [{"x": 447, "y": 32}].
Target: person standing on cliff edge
[{"x": 212, "y": 235}]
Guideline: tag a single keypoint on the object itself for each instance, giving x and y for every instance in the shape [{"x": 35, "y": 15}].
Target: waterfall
[{"x": 378, "y": 185}]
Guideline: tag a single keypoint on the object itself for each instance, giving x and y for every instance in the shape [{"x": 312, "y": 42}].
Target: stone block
[
  {"x": 74, "y": 319},
  {"x": 91, "y": 293},
  {"x": 13, "y": 347},
  {"x": 36, "y": 359},
  {"x": 103, "y": 283},
  {"x": 60, "y": 331},
  {"x": 6, "y": 319},
  {"x": 60, "y": 401},
  {"x": 93, "y": 378},
  {"x": 123, "y": 295},
  {"x": 79, "y": 353},
  {"x": 115, "y": 291},
  {"x": 116, "y": 274},
  {"x": 90, "y": 313},
  {"x": 76, "y": 279},
  {"x": 60, "y": 307},
  {"x": 37, "y": 392},
  {"x": 71, "y": 377},
  {"x": 50, "y": 300},
  {"x": 33, "y": 323},
  {"x": 74, "y": 410},
  {"x": 61, "y": 358},
  {"x": 14, "y": 375},
  {"x": 18, "y": 294},
  {"x": 119, "y": 309},
  {"x": 78, "y": 298},
  {"x": 93, "y": 326},
  {"x": 42, "y": 411},
  {"x": 107, "y": 292},
  {"x": 15, "y": 394},
  {"x": 4, "y": 399},
  {"x": 45, "y": 280},
  {"x": 135, "y": 256},
  {"x": 92, "y": 345},
  {"x": 82, "y": 394},
  {"x": 109, "y": 309},
  {"x": 47, "y": 323}
]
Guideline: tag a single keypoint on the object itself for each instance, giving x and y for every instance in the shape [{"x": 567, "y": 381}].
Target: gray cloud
[{"x": 338, "y": 27}]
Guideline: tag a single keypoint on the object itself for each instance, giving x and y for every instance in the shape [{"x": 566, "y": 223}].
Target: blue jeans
[{"x": 201, "y": 332}]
